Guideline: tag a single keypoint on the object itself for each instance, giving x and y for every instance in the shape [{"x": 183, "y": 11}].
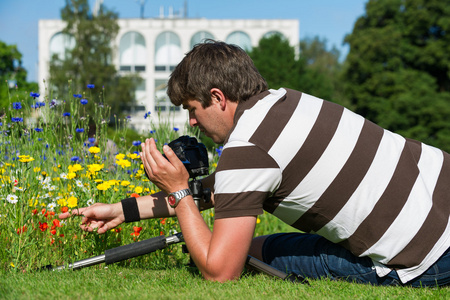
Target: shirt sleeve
[{"x": 245, "y": 177}]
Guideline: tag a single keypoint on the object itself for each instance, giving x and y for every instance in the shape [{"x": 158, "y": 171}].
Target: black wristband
[{"x": 130, "y": 210}]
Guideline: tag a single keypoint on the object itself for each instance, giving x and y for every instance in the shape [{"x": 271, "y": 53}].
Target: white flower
[
  {"x": 63, "y": 175},
  {"x": 79, "y": 183},
  {"x": 12, "y": 198},
  {"x": 51, "y": 206},
  {"x": 90, "y": 202}
]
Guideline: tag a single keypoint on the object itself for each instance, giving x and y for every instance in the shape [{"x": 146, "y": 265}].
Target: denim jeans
[{"x": 313, "y": 256}]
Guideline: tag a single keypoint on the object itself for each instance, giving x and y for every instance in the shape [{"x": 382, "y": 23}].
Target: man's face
[{"x": 212, "y": 121}]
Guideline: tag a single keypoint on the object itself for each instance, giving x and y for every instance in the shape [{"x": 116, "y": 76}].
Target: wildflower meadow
[{"x": 55, "y": 157}]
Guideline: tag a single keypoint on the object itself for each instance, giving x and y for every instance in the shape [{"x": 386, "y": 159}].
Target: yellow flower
[
  {"x": 133, "y": 156},
  {"x": 258, "y": 220},
  {"x": 125, "y": 183},
  {"x": 103, "y": 186},
  {"x": 113, "y": 182},
  {"x": 138, "y": 189},
  {"x": 95, "y": 167},
  {"x": 74, "y": 168},
  {"x": 37, "y": 170},
  {"x": 72, "y": 202},
  {"x": 120, "y": 156},
  {"x": 94, "y": 150},
  {"x": 123, "y": 163},
  {"x": 71, "y": 175},
  {"x": 25, "y": 158}
]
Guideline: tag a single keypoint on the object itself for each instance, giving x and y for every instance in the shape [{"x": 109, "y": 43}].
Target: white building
[{"x": 153, "y": 47}]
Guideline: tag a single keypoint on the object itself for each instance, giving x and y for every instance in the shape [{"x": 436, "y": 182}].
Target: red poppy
[
  {"x": 137, "y": 231},
  {"x": 163, "y": 221},
  {"x": 64, "y": 209},
  {"x": 43, "y": 226},
  {"x": 22, "y": 230},
  {"x": 34, "y": 211},
  {"x": 43, "y": 211},
  {"x": 135, "y": 195},
  {"x": 53, "y": 231},
  {"x": 56, "y": 223},
  {"x": 118, "y": 229}
]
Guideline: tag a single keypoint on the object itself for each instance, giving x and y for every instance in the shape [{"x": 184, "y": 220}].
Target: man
[{"x": 377, "y": 201}]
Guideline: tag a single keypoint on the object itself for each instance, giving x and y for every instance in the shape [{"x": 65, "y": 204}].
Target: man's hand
[
  {"x": 170, "y": 175},
  {"x": 100, "y": 216}
]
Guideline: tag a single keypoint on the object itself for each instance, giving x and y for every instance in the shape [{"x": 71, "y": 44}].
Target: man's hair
[{"x": 219, "y": 65}]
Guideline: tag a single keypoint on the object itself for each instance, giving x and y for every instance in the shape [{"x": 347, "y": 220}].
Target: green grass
[{"x": 117, "y": 282}]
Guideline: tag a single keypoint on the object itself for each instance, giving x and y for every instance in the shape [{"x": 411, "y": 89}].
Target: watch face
[{"x": 171, "y": 199}]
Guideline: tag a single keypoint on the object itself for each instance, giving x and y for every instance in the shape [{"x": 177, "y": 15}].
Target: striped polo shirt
[{"x": 324, "y": 169}]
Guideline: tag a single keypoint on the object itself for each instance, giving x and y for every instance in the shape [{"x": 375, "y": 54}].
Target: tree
[
  {"x": 90, "y": 61},
  {"x": 12, "y": 73},
  {"x": 397, "y": 70},
  {"x": 313, "y": 72}
]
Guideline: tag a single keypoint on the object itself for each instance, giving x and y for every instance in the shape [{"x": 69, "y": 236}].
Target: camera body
[{"x": 193, "y": 155}]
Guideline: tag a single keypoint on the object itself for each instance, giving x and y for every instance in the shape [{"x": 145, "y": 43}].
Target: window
[
  {"x": 162, "y": 101},
  {"x": 200, "y": 37},
  {"x": 60, "y": 45},
  {"x": 240, "y": 39},
  {"x": 132, "y": 52},
  {"x": 167, "y": 52}
]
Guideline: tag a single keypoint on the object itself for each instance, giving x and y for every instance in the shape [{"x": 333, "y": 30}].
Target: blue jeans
[{"x": 313, "y": 256}]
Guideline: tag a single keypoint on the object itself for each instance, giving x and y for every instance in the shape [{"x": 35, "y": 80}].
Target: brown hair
[{"x": 215, "y": 65}]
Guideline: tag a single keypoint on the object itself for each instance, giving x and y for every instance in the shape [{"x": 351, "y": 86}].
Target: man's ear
[{"x": 217, "y": 95}]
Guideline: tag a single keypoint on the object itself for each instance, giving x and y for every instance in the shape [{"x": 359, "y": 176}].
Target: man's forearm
[{"x": 154, "y": 206}]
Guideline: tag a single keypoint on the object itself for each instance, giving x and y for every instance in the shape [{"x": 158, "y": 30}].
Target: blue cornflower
[
  {"x": 91, "y": 140},
  {"x": 83, "y": 101},
  {"x": 66, "y": 114},
  {"x": 38, "y": 129},
  {"x": 176, "y": 129},
  {"x": 40, "y": 104},
  {"x": 17, "y": 105},
  {"x": 17, "y": 119},
  {"x": 147, "y": 114},
  {"x": 53, "y": 103},
  {"x": 77, "y": 95},
  {"x": 75, "y": 158},
  {"x": 90, "y": 86},
  {"x": 136, "y": 143},
  {"x": 34, "y": 95},
  {"x": 1, "y": 123},
  {"x": 79, "y": 129},
  {"x": 219, "y": 150},
  {"x": 152, "y": 131}
]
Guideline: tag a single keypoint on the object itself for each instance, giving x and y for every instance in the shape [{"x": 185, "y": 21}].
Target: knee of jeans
[{"x": 342, "y": 264}]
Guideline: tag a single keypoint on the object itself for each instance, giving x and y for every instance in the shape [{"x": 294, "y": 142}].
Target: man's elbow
[{"x": 222, "y": 275}]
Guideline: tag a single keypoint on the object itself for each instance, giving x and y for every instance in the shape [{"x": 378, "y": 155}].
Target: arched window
[
  {"x": 168, "y": 51},
  {"x": 200, "y": 37},
  {"x": 60, "y": 45},
  {"x": 240, "y": 39},
  {"x": 272, "y": 33},
  {"x": 133, "y": 54}
]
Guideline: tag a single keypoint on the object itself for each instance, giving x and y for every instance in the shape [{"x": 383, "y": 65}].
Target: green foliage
[
  {"x": 90, "y": 60},
  {"x": 12, "y": 74},
  {"x": 313, "y": 73},
  {"x": 275, "y": 59},
  {"x": 397, "y": 71}
]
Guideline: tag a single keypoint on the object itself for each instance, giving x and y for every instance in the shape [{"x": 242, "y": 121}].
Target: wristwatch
[{"x": 175, "y": 198}]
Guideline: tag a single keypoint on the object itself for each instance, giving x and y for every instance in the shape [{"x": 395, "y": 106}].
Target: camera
[{"x": 193, "y": 155}]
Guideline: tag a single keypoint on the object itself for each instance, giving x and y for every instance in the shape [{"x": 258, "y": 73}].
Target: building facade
[{"x": 153, "y": 47}]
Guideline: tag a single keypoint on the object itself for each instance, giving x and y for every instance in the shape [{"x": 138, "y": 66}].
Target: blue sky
[{"x": 327, "y": 19}]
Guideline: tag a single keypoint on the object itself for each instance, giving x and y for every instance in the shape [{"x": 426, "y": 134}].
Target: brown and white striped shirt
[{"x": 322, "y": 168}]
